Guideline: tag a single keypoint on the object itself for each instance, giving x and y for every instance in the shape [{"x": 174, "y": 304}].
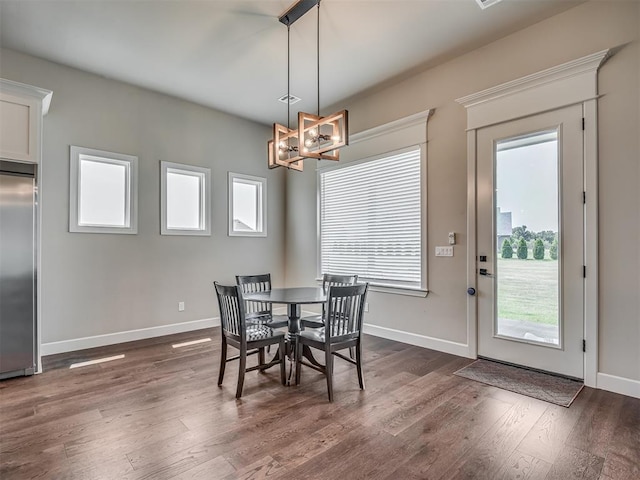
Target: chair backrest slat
[
  {"x": 232, "y": 315},
  {"x": 255, "y": 284},
  {"x": 345, "y": 311},
  {"x": 329, "y": 280}
]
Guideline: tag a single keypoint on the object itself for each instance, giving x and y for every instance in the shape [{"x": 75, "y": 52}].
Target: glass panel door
[
  {"x": 527, "y": 225},
  {"x": 530, "y": 241}
]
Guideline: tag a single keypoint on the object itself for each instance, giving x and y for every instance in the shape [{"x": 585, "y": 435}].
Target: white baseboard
[
  {"x": 624, "y": 386},
  {"x": 120, "y": 337},
  {"x": 454, "y": 348}
]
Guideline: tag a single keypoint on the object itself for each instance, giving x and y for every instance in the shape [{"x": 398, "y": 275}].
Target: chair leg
[
  {"x": 299, "y": 348},
  {"x": 223, "y": 360},
  {"x": 352, "y": 353},
  {"x": 261, "y": 357},
  {"x": 283, "y": 364},
  {"x": 359, "y": 363},
  {"x": 241, "y": 370},
  {"x": 328, "y": 362}
]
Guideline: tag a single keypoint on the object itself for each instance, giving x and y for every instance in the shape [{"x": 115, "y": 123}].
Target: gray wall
[
  {"x": 95, "y": 284},
  {"x": 585, "y": 29}
]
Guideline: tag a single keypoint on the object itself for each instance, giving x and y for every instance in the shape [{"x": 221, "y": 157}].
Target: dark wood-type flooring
[{"x": 158, "y": 414}]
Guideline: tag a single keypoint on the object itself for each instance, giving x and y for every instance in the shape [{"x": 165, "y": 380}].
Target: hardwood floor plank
[
  {"x": 499, "y": 442},
  {"x": 47, "y": 434},
  {"x": 358, "y": 454},
  {"x": 320, "y": 441},
  {"x": 594, "y": 431},
  {"x": 623, "y": 453},
  {"x": 413, "y": 407},
  {"x": 100, "y": 466},
  {"x": 448, "y": 433},
  {"x": 550, "y": 433},
  {"x": 265, "y": 468},
  {"x": 522, "y": 466},
  {"x": 574, "y": 463},
  {"x": 119, "y": 438},
  {"x": 159, "y": 414},
  {"x": 50, "y": 463},
  {"x": 217, "y": 468}
]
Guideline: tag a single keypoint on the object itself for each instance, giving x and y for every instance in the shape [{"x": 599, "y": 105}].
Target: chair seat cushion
[
  {"x": 318, "y": 335},
  {"x": 261, "y": 332},
  {"x": 274, "y": 321},
  {"x": 312, "y": 321}
]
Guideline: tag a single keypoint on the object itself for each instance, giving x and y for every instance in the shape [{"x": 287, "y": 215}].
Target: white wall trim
[
  {"x": 41, "y": 94},
  {"x": 472, "y": 300},
  {"x": 390, "y": 127},
  {"x": 569, "y": 69},
  {"x": 621, "y": 385},
  {"x": 591, "y": 248},
  {"x": 447, "y": 346},
  {"x": 556, "y": 87},
  {"x": 128, "y": 336}
]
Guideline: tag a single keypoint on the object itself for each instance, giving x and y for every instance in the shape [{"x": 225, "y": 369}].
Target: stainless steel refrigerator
[{"x": 17, "y": 269}]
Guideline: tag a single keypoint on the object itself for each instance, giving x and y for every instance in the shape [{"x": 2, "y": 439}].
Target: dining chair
[
  {"x": 249, "y": 339},
  {"x": 328, "y": 280},
  {"x": 260, "y": 312},
  {"x": 344, "y": 313}
]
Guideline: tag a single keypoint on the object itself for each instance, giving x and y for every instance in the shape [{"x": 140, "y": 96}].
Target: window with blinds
[{"x": 370, "y": 220}]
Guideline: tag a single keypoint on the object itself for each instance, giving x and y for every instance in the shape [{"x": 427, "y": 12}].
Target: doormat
[{"x": 550, "y": 388}]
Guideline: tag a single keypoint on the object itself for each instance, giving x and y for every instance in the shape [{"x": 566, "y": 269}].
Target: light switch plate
[{"x": 444, "y": 251}]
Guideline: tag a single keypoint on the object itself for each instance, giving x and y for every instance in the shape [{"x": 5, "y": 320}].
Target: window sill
[
  {"x": 394, "y": 290},
  {"x": 410, "y": 292}
]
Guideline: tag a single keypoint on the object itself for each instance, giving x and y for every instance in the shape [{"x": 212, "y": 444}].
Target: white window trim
[
  {"x": 205, "y": 205},
  {"x": 131, "y": 189},
  {"x": 262, "y": 207},
  {"x": 423, "y": 290}
]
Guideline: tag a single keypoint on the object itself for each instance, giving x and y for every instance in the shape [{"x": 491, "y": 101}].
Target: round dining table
[{"x": 293, "y": 298}]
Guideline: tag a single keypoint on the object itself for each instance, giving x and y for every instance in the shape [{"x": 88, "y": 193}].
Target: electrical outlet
[{"x": 181, "y": 306}]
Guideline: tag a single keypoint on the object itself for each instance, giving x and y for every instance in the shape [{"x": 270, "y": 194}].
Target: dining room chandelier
[{"x": 315, "y": 137}]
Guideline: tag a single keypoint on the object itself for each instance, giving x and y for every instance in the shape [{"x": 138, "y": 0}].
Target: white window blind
[{"x": 370, "y": 220}]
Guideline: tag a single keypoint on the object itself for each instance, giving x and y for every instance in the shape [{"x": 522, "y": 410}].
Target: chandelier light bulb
[
  {"x": 308, "y": 142},
  {"x": 313, "y": 132}
]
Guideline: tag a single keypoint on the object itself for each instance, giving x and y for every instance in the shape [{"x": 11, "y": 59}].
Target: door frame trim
[{"x": 572, "y": 83}]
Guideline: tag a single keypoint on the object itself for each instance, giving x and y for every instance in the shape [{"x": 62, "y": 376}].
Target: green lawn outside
[{"x": 528, "y": 290}]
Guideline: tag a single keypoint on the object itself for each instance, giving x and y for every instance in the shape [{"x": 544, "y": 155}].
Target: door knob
[{"x": 471, "y": 291}]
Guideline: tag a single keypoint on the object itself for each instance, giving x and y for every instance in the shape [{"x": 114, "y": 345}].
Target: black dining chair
[
  {"x": 328, "y": 280},
  {"x": 260, "y": 312},
  {"x": 344, "y": 313},
  {"x": 247, "y": 338}
]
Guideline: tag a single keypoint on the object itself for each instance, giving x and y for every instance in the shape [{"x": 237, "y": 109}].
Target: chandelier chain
[
  {"x": 318, "y": 55},
  {"x": 288, "y": 76}
]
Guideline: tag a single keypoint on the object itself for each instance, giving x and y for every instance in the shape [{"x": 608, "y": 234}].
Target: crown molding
[
  {"x": 23, "y": 89},
  {"x": 390, "y": 127},
  {"x": 590, "y": 63}
]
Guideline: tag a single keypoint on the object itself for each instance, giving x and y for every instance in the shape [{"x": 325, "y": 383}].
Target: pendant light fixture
[{"x": 315, "y": 137}]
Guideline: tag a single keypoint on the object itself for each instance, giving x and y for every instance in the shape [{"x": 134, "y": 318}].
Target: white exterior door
[{"x": 530, "y": 241}]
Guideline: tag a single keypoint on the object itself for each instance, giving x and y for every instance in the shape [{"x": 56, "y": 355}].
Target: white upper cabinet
[{"x": 21, "y": 110}]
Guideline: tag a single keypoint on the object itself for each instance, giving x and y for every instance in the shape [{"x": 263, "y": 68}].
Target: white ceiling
[{"x": 232, "y": 55}]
